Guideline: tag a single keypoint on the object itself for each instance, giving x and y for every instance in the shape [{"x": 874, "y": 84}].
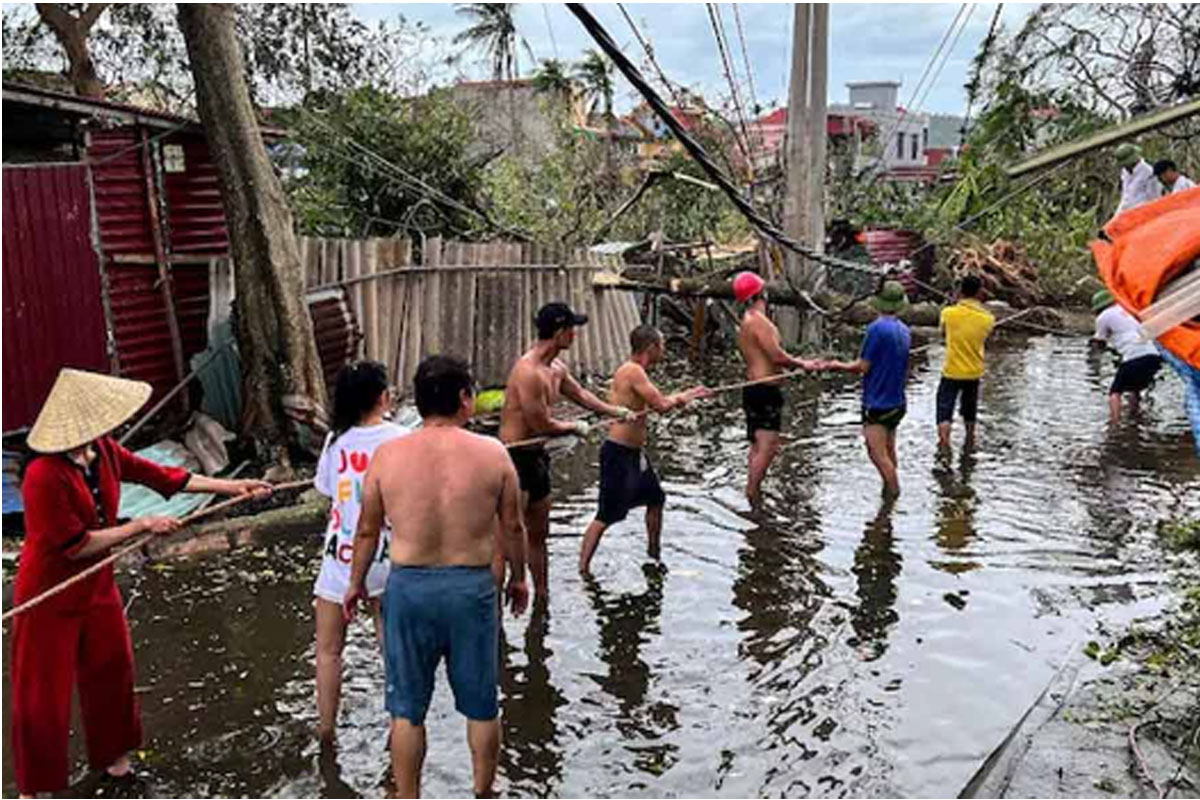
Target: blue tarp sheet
[{"x": 136, "y": 501}]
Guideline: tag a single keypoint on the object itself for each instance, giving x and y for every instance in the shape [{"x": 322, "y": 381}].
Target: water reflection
[
  {"x": 739, "y": 672},
  {"x": 627, "y": 622},
  {"x": 531, "y": 755},
  {"x": 956, "y": 513},
  {"x": 877, "y": 564}
]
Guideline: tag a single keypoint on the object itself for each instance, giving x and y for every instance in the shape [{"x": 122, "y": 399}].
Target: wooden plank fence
[{"x": 473, "y": 300}]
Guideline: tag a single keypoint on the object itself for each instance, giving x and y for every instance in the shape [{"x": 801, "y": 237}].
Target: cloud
[{"x": 867, "y": 41}]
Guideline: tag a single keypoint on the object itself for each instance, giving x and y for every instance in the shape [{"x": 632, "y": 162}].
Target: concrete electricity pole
[{"x": 803, "y": 207}]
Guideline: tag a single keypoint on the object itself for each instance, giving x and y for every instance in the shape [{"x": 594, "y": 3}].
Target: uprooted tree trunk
[
  {"x": 72, "y": 33},
  {"x": 281, "y": 368}
]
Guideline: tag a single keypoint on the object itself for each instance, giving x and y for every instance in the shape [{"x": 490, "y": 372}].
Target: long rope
[
  {"x": 731, "y": 387},
  {"x": 700, "y": 155},
  {"x": 135, "y": 545}
]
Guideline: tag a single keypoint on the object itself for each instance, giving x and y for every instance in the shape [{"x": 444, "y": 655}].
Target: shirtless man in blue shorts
[{"x": 452, "y": 498}]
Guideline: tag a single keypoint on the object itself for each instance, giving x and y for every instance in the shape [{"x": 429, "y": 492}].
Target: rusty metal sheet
[
  {"x": 53, "y": 316},
  {"x": 336, "y": 331}
]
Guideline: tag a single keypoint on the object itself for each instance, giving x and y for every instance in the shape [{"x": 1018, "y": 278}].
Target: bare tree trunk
[
  {"x": 72, "y": 33},
  {"x": 280, "y": 364}
]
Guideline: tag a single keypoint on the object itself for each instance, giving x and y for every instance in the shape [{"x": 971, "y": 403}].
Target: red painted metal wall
[
  {"x": 53, "y": 316},
  {"x": 139, "y": 316},
  {"x": 195, "y": 214},
  {"x": 122, "y": 209}
]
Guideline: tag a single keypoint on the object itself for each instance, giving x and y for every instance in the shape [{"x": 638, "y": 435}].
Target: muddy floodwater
[{"x": 827, "y": 645}]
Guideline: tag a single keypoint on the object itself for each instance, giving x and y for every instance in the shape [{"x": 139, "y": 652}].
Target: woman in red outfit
[{"x": 80, "y": 636}]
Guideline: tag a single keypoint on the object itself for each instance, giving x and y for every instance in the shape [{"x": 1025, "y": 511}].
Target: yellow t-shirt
[{"x": 967, "y": 326}]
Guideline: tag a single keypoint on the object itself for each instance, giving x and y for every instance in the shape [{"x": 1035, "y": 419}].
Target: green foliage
[
  {"x": 1181, "y": 534},
  {"x": 552, "y": 78},
  {"x": 291, "y": 50},
  {"x": 337, "y": 189},
  {"x": 691, "y": 213},
  {"x": 560, "y": 198},
  {"x": 595, "y": 74},
  {"x": 567, "y": 197}
]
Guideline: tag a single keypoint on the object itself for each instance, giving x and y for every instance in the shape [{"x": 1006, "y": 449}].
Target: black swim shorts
[
  {"x": 887, "y": 417},
  {"x": 626, "y": 481},
  {"x": 533, "y": 470},
  {"x": 763, "y": 404},
  {"x": 1135, "y": 375},
  {"x": 948, "y": 392}
]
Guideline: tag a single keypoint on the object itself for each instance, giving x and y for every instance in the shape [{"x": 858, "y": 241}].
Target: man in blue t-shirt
[{"x": 883, "y": 363}]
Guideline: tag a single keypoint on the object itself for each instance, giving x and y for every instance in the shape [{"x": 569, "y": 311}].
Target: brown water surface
[{"x": 830, "y": 644}]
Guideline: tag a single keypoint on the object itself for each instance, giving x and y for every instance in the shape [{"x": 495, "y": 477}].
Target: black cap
[{"x": 553, "y": 317}]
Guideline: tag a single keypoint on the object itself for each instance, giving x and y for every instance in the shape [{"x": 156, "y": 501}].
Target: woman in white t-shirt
[{"x": 360, "y": 400}]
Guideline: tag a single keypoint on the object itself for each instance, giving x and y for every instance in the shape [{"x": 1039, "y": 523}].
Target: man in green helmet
[
  {"x": 1138, "y": 184},
  {"x": 1140, "y": 360}
]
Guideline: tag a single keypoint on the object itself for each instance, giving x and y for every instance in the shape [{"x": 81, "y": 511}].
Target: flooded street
[{"x": 827, "y": 645}]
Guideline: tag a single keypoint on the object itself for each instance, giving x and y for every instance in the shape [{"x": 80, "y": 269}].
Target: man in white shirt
[
  {"x": 1171, "y": 178},
  {"x": 1138, "y": 184},
  {"x": 1140, "y": 360}
]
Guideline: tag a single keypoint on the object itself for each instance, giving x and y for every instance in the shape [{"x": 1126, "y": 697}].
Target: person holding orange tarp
[{"x": 1151, "y": 264}]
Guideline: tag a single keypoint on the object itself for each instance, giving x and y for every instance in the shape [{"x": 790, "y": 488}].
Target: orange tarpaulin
[{"x": 1151, "y": 245}]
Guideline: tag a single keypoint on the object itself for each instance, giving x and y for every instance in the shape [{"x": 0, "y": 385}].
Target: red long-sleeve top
[{"x": 63, "y": 501}]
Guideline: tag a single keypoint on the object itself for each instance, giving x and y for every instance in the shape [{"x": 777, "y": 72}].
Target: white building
[{"x": 906, "y": 133}]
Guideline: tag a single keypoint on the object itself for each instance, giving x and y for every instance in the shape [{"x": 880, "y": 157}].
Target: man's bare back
[{"x": 443, "y": 488}]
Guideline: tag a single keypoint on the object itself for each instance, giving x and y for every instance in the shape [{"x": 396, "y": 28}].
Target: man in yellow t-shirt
[{"x": 967, "y": 325}]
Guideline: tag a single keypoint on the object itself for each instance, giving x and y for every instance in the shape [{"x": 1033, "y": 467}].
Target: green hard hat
[
  {"x": 1102, "y": 300},
  {"x": 1128, "y": 154}
]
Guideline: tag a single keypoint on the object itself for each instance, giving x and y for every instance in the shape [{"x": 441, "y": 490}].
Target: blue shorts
[{"x": 435, "y": 612}]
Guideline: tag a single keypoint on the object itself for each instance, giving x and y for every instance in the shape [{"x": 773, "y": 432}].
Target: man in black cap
[{"x": 535, "y": 384}]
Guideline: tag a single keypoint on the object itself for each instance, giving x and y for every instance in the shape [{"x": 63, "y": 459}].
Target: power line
[
  {"x": 550, "y": 29},
  {"x": 973, "y": 86},
  {"x": 737, "y": 18},
  {"x": 718, "y": 29},
  {"x": 755, "y": 108},
  {"x": 945, "y": 58},
  {"x": 886, "y": 141},
  {"x": 698, "y": 153},
  {"x": 670, "y": 87}
]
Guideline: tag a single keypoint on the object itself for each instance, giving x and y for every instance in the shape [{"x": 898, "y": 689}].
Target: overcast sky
[{"x": 868, "y": 41}]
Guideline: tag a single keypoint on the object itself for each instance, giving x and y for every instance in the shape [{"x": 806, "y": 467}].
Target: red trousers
[{"x": 51, "y": 651}]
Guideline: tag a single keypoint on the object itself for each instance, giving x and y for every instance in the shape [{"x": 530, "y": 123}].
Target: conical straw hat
[{"x": 83, "y": 406}]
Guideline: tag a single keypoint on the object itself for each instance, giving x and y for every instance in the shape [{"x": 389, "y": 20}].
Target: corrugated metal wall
[
  {"x": 53, "y": 315},
  {"x": 195, "y": 214},
  {"x": 193, "y": 227}
]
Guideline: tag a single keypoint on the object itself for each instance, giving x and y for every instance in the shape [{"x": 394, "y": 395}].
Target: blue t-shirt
[{"x": 886, "y": 347}]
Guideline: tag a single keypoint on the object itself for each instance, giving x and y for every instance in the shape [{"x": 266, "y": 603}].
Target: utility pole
[{"x": 803, "y": 207}]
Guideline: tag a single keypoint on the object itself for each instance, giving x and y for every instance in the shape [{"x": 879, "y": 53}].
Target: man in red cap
[{"x": 758, "y": 339}]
